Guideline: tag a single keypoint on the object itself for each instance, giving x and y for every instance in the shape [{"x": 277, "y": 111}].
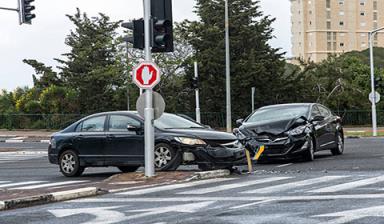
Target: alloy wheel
[
  {"x": 162, "y": 156},
  {"x": 340, "y": 144},
  {"x": 68, "y": 163}
]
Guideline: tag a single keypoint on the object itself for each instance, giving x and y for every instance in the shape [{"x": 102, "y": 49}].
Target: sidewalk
[{"x": 25, "y": 136}]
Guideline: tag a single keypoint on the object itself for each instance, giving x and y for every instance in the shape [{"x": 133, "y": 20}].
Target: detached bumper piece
[{"x": 219, "y": 156}]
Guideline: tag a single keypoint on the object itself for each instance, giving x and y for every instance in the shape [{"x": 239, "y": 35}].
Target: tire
[
  {"x": 128, "y": 169},
  {"x": 340, "y": 145},
  {"x": 166, "y": 157},
  {"x": 310, "y": 153},
  {"x": 69, "y": 164}
]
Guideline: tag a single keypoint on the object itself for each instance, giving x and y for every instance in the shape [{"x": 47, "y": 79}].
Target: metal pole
[
  {"x": 126, "y": 69},
  {"x": 149, "y": 132},
  {"x": 228, "y": 75},
  {"x": 198, "y": 118},
  {"x": 253, "y": 98},
  {"x": 9, "y": 9},
  {"x": 374, "y": 119}
]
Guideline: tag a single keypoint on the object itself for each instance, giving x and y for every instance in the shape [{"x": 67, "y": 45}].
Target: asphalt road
[{"x": 340, "y": 189}]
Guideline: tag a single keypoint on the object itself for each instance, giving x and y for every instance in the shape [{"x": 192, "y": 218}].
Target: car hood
[
  {"x": 205, "y": 134},
  {"x": 274, "y": 127}
]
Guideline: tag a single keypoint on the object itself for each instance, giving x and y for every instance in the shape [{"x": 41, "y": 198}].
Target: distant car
[
  {"x": 292, "y": 130},
  {"x": 117, "y": 139}
]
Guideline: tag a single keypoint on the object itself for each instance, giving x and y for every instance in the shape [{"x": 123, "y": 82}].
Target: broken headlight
[
  {"x": 190, "y": 141},
  {"x": 297, "y": 131}
]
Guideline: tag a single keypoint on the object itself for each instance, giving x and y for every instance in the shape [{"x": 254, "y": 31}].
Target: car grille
[{"x": 271, "y": 138}]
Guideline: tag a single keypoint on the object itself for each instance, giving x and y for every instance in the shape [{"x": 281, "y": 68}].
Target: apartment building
[{"x": 324, "y": 27}]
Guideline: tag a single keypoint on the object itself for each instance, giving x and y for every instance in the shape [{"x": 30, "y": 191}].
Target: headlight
[
  {"x": 52, "y": 142},
  {"x": 239, "y": 134},
  {"x": 297, "y": 131},
  {"x": 190, "y": 141}
]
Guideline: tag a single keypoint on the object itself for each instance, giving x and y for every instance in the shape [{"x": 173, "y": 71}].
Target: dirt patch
[{"x": 8, "y": 150}]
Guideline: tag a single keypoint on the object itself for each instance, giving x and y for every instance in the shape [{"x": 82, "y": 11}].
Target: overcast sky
[{"x": 44, "y": 40}]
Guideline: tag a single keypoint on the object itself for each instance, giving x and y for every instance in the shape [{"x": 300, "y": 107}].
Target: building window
[
  {"x": 375, "y": 5},
  {"x": 328, "y": 25},
  {"x": 334, "y": 46},
  {"x": 341, "y": 44},
  {"x": 363, "y": 44},
  {"x": 374, "y": 15},
  {"x": 328, "y": 4},
  {"x": 329, "y": 46},
  {"x": 341, "y": 23},
  {"x": 362, "y": 2},
  {"x": 310, "y": 12},
  {"x": 328, "y": 14},
  {"x": 341, "y": 2},
  {"x": 310, "y": 22},
  {"x": 334, "y": 36},
  {"x": 375, "y": 37},
  {"x": 375, "y": 26},
  {"x": 362, "y": 13},
  {"x": 329, "y": 36}
]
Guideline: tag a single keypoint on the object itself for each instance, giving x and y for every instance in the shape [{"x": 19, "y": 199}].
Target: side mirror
[
  {"x": 317, "y": 118},
  {"x": 239, "y": 122},
  {"x": 133, "y": 127}
]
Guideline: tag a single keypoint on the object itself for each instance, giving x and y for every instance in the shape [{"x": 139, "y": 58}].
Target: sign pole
[
  {"x": 228, "y": 70},
  {"x": 198, "y": 118},
  {"x": 253, "y": 98},
  {"x": 149, "y": 132}
]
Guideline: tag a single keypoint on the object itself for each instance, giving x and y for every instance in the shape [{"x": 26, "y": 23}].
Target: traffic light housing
[
  {"x": 137, "y": 38},
  {"x": 194, "y": 83},
  {"x": 26, "y": 11},
  {"x": 162, "y": 26}
]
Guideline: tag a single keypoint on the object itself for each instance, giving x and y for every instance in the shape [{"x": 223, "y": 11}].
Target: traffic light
[
  {"x": 162, "y": 26},
  {"x": 194, "y": 83},
  {"x": 137, "y": 38},
  {"x": 26, "y": 11}
]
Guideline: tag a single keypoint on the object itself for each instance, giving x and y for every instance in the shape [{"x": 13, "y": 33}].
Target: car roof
[{"x": 288, "y": 105}]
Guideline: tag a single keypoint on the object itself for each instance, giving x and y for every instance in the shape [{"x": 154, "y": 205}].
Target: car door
[
  {"x": 90, "y": 140},
  {"x": 124, "y": 146},
  {"x": 319, "y": 127},
  {"x": 330, "y": 127}
]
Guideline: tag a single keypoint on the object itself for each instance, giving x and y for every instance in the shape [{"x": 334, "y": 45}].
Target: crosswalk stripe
[
  {"x": 233, "y": 186},
  {"x": 174, "y": 186},
  {"x": 282, "y": 187},
  {"x": 349, "y": 185},
  {"x": 48, "y": 185},
  {"x": 20, "y": 184}
]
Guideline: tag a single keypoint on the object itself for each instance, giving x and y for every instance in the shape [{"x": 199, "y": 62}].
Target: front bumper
[{"x": 291, "y": 147}]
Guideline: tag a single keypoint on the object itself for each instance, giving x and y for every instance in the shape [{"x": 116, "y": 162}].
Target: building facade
[{"x": 324, "y": 27}]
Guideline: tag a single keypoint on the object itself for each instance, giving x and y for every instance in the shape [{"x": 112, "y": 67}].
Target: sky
[{"x": 44, "y": 40}]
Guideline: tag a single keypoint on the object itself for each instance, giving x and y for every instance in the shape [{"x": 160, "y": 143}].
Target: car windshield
[
  {"x": 171, "y": 121},
  {"x": 278, "y": 113}
]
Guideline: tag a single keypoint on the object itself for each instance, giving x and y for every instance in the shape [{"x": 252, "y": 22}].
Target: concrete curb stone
[
  {"x": 48, "y": 198},
  {"x": 210, "y": 174}
]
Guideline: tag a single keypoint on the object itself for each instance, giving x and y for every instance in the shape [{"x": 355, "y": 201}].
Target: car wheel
[
  {"x": 128, "y": 169},
  {"x": 69, "y": 164},
  {"x": 166, "y": 158},
  {"x": 340, "y": 145},
  {"x": 310, "y": 153}
]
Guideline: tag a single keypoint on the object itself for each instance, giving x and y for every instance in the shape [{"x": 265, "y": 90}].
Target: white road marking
[
  {"x": 248, "y": 198},
  {"x": 287, "y": 186},
  {"x": 353, "y": 215},
  {"x": 251, "y": 204},
  {"x": 174, "y": 186},
  {"x": 233, "y": 186},
  {"x": 349, "y": 185},
  {"x": 48, "y": 185},
  {"x": 283, "y": 165},
  {"x": 103, "y": 215},
  {"x": 20, "y": 183}
]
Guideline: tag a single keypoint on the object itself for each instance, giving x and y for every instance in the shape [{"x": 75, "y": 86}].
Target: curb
[{"x": 49, "y": 198}]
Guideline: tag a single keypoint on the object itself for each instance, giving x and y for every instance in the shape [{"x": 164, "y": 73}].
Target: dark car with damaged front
[
  {"x": 292, "y": 130},
  {"x": 117, "y": 139}
]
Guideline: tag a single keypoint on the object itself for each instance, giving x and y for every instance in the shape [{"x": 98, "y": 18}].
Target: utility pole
[
  {"x": 373, "y": 92},
  {"x": 198, "y": 118},
  {"x": 227, "y": 75},
  {"x": 149, "y": 131}
]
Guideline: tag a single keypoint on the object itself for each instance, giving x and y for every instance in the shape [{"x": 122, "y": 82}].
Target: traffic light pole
[
  {"x": 373, "y": 92},
  {"x": 198, "y": 118},
  {"x": 149, "y": 131},
  {"x": 228, "y": 72}
]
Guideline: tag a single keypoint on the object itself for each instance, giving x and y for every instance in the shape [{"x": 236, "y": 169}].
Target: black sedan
[
  {"x": 292, "y": 130},
  {"x": 117, "y": 139}
]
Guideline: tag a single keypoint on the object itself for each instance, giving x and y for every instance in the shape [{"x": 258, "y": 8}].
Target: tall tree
[
  {"x": 94, "y": 65},
  {"x": 254, "y": 63}
]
